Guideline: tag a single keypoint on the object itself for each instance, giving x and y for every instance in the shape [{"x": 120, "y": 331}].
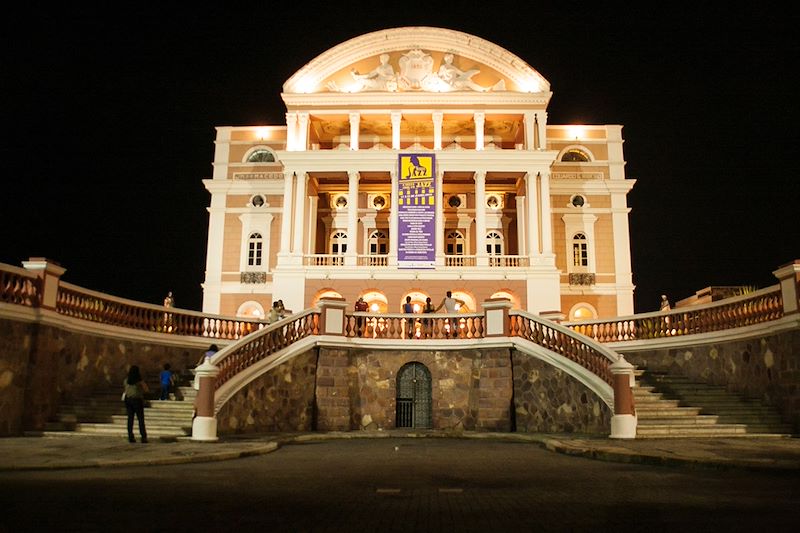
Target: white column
[
  {"x": 302, "y": 132},
  {"x": 622, "y": 253},
  {"x": 355, "y": 118},
  {"x": 439, "y": 237},
  {"x": 522, "y": 227},
  {"x": 541, "y": 120},
  {"x": 532, "y": 202},
  {"x": 352, "y": 218},
  {"x": 313, "y": 205},
  {"x": 438, "y": 117},
  {"x": 286, "y": 214},
  {"x": 547, "y": 226},
  {"x": 291, "y": 131},
  {"x": 299, "y": 214},
  {"x": 479, "y": 120},
  {"x": 528, "y": 120},
  {"x": 396, "y": 117},
  {"x": 480, "y": 218},
  {"x": 216, "y": 237},
  {"x": 394, "y": 222}
]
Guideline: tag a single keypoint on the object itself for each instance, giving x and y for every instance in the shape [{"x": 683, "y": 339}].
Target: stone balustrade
[
  {"x": 755, "y": 308},
  {"x": 18, "y": 286}
]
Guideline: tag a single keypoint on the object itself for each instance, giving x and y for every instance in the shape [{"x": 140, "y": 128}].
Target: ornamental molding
[
  {"x": 582, "y": 278},
  {"x": 577, "y": 175},
  {"x": 253, "y": 277},
  {"x": 258, "y": 175}
]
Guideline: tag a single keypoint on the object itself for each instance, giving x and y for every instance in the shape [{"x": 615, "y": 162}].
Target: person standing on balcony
[
  {"x": 134, "y": 389},
  {"x": 427, "y": 323},
  {"x": 451, "y": 306},
  {"x": 360, "y": 307},
  {"x": 408, "y": 309}
]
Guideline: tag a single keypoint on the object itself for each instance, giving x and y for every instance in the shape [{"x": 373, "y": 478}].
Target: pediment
[{"x": 416, "y": 60}]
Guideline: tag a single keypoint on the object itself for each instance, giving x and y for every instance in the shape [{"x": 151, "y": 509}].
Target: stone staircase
[
  {"x": 103, "y": 413},
  {"x": 674, "y": 407}
]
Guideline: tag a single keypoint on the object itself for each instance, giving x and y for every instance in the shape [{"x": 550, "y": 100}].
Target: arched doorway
[{"x": 414, "y": 396}]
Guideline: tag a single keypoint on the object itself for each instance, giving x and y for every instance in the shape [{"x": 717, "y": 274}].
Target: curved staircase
[
  {"x": 103, "y": 413},
  {"x": 671, "y": 406}
]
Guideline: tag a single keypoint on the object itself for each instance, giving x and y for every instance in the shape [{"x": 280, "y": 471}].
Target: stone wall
[
  {"x": 42, "y": 366},
  {"x": 355, "y": 389},
  {"x": 548, "y": 400},
  {"x": 766, "y": 367},
  {"x": 279, "y": 400}
]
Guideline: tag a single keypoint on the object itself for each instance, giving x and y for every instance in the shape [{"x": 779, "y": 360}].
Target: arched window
[
  {"x": 494, "y": 243},
  {"x": 454, "y": 243},
  {"x": 261, "y": 156},
  {"x": 580, "y": 250},
  {"x": 339, "y": 243},
  {"x": 573, "y": 155},
  {"x": 378, "y": 243},
  {"x": 255, "y": 247}
]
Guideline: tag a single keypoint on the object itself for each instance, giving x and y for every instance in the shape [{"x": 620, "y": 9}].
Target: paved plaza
[{"x": 398, "y": 484}]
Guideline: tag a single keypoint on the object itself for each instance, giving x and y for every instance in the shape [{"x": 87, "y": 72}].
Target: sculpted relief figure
[
  {"x": 459, "y": 80},
  {"x": 381, "y": 78},
  {"x": 416, "y": 73}
]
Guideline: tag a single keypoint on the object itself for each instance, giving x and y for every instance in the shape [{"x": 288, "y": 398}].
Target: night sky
[{"x": 108, "y": 126}]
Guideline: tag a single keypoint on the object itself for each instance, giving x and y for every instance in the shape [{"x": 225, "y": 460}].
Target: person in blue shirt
[{"x": 166, "y": 381}]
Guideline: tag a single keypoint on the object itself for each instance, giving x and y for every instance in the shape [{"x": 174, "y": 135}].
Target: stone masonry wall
[
  {"x": 471, "y": 389},
  {"x": 42, "y": 366},
  {"x": 548, "y": 400},
  {"x": 279, "y": 400},
  {"x": 766, "y": 367}
]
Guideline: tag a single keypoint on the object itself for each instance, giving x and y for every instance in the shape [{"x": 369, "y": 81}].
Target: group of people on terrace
[{"x": 414, "y": 327}]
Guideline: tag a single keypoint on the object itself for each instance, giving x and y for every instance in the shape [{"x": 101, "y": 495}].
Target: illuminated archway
[
  {"x": 250, "y": 309},
  {"x": 582, "y": 311},
  {"x": 515, "y": 301}
]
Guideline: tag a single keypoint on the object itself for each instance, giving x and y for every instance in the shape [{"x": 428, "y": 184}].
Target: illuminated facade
[{"x": 516, "y": 207}]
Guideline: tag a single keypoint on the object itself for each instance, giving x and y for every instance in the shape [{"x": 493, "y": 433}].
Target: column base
[
  {"x": 204, "y": 428},
  {"x": 623, "y": 427}
]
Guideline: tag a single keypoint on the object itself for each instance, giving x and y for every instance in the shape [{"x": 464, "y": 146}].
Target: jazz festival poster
[{"x": 416, "y": 208}]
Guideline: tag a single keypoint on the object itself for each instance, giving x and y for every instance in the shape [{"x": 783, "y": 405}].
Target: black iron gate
[{"x": 414, "y": 396}]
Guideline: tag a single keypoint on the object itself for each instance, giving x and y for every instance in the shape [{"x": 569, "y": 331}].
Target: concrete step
[
  {"x": 678, "y": 421},
  {"x": 655, "y": 411}
]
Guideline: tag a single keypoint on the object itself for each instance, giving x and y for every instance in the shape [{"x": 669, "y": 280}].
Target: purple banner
[{"x": 416, "y": 209}]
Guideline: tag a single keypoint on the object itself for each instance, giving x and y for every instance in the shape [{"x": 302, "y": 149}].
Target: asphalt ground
[
  {"x": 338, "y": 483},
  {"x": 76, "y": 451}
]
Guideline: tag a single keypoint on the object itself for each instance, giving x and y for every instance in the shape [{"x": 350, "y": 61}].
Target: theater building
[{"x": 415, "y": 161}]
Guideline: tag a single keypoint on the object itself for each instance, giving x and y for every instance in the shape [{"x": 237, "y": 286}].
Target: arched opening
[
  {"x": 250, "y": 309},
  {"x": 414, "y": 406}
]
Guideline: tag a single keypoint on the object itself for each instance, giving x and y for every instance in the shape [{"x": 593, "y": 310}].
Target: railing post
[
  {"x": 495, "y": 317},
  {"x": 789, "y": 276},
  {"x": 623, "y": 422},
  {"x": 50, "y": 273},
  {"x": 332, "y": 316},
  {"x": 204, "y": 425}
]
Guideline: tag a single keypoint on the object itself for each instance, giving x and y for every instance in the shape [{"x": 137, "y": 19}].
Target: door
[{"x": 414, "y": 396}]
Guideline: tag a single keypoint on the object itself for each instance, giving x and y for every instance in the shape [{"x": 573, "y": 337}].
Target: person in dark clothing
[
  {"x": 134, "y": 390},
  {"x": 165, "y": 379}
]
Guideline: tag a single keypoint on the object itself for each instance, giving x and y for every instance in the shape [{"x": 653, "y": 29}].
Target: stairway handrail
[
  {"x": 564, "y": 341},
  {"x": 248, "y": 351}
]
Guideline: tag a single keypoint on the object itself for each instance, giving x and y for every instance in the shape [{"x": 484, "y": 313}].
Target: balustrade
[
  {"x": 76, "y": 302},
  {"x": 417, "y": 326},
  {"x": 272, "y": 339},
  {"x": 514, "y": 261},
  {"x": 20, "y": 287},
  {"x": 563, "y": 342},
  {"x": 762, "y": 306}
]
